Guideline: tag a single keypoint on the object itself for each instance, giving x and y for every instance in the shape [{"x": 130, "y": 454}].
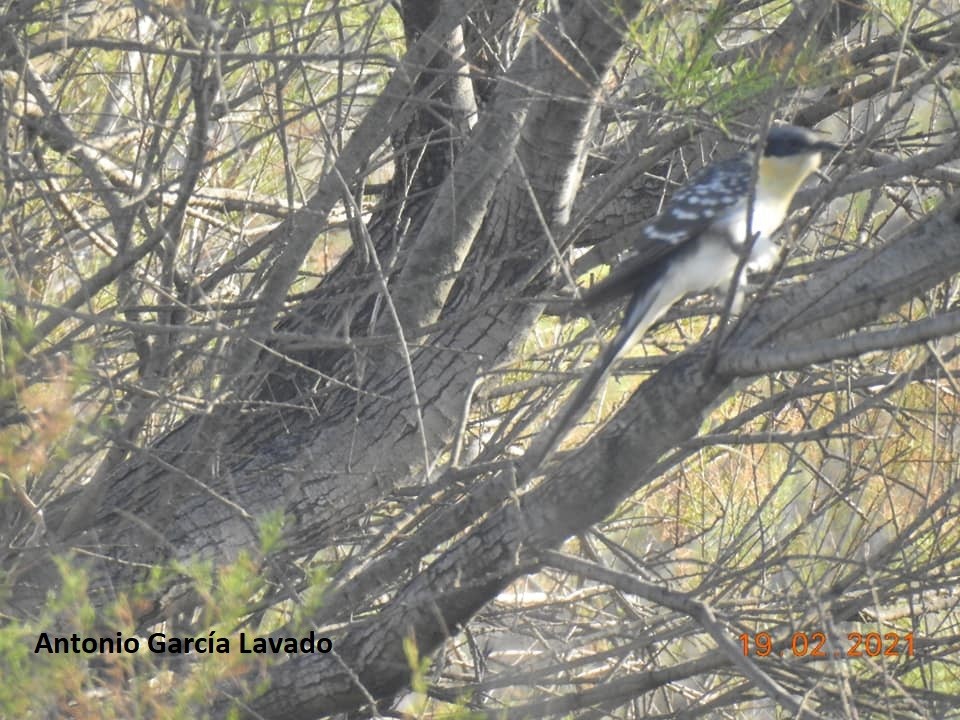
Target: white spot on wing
[
  {"x": 670, "y": 236},
  {"x": 680, "y": 214}
]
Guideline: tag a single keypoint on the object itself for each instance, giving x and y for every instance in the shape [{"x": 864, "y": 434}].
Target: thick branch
[{"x": 664, "y": 412}]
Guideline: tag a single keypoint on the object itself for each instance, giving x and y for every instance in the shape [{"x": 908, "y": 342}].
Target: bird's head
[
  {"x": 790, "y": 154},
  {"x": 785, "y": 141}
]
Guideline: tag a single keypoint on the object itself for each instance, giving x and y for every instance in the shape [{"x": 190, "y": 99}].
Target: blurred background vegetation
[{"x": 159, "y": 162}]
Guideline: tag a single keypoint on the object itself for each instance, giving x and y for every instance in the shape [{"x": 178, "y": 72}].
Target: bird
[
  {"x": 695, "y": 244},
  {"x": 698, "y": 242}
]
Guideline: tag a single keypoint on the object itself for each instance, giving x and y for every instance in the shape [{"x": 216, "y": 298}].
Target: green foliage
[
  {"x": 898, "y": 13},
  {"x": 418, "y": 666},
  {"x": 300, "y": 73},
  {"x": 679, "y": 48},
  {"x": 311, "y": 597},
  {"x": 678, "y": 55},
  {"x": 19, "y": 669},
  {"x": 137, "y": 684},
  {"x": 270, "y": 529}
]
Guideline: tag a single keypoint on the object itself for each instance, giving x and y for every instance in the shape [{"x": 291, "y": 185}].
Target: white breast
[{"x": 768, "y": 216}]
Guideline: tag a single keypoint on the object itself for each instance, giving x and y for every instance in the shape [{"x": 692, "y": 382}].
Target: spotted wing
[
  {"x": 695, "y": 206},
  {"x": 692, "y": 209}
]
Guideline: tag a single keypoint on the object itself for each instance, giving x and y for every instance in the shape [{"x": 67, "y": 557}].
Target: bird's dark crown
[{"x": 788, "y": 140}]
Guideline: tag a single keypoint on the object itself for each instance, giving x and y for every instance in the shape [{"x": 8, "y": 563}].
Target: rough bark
[
  {"x": 356, "y": 447},
  {"x": 588, "y": 484},
  {"x": 375, "y": 410}
]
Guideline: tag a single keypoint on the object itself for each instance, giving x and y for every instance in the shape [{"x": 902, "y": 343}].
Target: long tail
[{"x": 643, "y": 311}]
